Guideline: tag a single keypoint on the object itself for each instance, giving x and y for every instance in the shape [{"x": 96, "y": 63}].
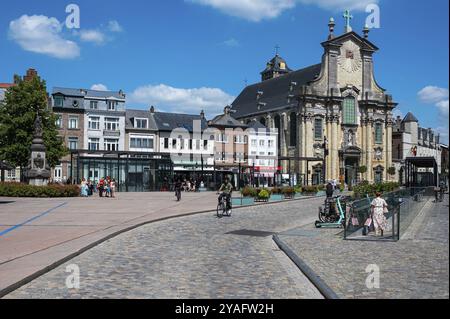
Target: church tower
[{"x": 275, "y": 68}]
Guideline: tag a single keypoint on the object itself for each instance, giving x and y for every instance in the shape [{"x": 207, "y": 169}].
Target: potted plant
[
  {"x": 276, "y": 194},
  {"x": 310, "y": 190},
  {"x": 248, "y": 195},
  {"x": 263, "y": 196},
  {"x": 289, "y": 192},
  {"x": 298, "y": 190}
]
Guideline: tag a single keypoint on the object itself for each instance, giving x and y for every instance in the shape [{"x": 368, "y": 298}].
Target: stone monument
[{"x": 38, "y": 172}]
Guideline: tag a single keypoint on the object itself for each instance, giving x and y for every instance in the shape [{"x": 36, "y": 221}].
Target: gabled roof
[
  {"x": 82, "y": 93},
  {"x": 171, "y": 121},
  {"x": 275, "y": 92},
  {"x": 366, "y": 44},
  {"x": 6, "y": 85},
  {"x": 256, "y": 125},
  {"x": 226, "y": 120},
  {"x": 410, "y": 118}
]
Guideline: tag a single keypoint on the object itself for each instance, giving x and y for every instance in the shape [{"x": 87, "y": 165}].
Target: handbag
[{"x": 355, "y": 221}]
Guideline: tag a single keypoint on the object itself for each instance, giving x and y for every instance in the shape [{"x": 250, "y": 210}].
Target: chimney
[
  {"x": 202, "y": 115},
  {"x": 152, "y": 109}
]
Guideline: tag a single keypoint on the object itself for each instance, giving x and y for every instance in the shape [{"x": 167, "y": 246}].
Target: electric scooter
[{"x": 333, "y": 216}]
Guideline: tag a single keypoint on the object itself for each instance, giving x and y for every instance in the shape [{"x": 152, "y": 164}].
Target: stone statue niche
[{"x": 38, "y": 171}]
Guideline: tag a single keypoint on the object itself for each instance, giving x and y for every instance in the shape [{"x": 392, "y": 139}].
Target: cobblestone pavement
[
  {"x": 417, "y": 267},
  {"x": 190, "y": 257}
]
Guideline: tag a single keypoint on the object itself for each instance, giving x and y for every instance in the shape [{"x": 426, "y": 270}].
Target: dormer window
[
  {"x": 93, "y": 105},
  {"x": 112, "y": 105},
  {"x": 59, "y": 101},
  {"x": 141, "y": 123}
]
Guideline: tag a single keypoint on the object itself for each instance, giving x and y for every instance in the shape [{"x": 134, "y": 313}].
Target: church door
[{"x": 351, "y": 171}]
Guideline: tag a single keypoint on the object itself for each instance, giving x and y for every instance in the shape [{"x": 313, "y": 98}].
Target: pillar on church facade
[
  {"x": 309, "y": 142},
  {"x": 369, "y": 139},
  {"x": 334, "y": 149},
  {"x": 283, "y": 134},
  {"x": 388, "y": 148},
  {"x": 363, "y": 146},
  {"x": 299, "y": 142},
  {"x": 269, "y": 122}
]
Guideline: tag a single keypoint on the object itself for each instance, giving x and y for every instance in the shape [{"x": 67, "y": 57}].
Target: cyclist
[{"x": 225, "y": 191}]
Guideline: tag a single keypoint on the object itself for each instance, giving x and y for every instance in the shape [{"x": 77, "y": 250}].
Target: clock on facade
[{"x": 350, "y": 58}]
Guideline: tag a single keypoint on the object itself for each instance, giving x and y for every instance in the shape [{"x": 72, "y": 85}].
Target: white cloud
[
  {"x": 443, "y": 107},
  {"x": 114, "y": 26},
  {"x": 93, "y": 36},
  {"x": 231, "y": 43},
  {"x": 167, "y": 98},
  {"x": 433, "y": 94},
  {"x": 41, "y": 34},
  {"x": 439, "y": 97},
  {"x": 340, "y": 5},
  {"x": 253, "y": 10},
  {"x": 257, "y": 10},
  {"x": 99, "y": 87}
]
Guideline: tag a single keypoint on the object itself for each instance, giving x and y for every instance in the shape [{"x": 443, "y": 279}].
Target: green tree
[
  {"x": 17, "y": 115},
  {"x": 391, "y": 171}
]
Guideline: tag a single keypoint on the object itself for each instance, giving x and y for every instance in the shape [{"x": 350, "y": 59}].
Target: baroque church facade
[{"x": 334, "y": 111}]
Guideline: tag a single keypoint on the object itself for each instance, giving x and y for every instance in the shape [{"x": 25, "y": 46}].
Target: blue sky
[{"x": 185, "y": 55}]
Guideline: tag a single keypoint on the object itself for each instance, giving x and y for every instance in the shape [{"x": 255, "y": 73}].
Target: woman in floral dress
[{"x": 379, "y": 208}]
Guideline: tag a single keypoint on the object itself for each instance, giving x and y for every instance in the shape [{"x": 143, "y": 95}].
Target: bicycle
[{"x": 223, "y": 209}]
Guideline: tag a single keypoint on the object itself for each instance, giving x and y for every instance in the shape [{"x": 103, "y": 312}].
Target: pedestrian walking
[{"x": 379, "y": 207}]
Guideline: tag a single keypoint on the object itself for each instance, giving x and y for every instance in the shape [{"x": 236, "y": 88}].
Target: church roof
[
  {"x": 275, "y": 92},
  {"x": 410, "y": 118}
]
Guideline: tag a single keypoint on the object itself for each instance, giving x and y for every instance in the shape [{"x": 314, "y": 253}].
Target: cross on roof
[
  {"x": 347, "y": 16},
  {"x": 277, "y": 48}
]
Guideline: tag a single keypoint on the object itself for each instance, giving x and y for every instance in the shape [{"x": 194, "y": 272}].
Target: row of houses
[{"x": 147, "y": 149}]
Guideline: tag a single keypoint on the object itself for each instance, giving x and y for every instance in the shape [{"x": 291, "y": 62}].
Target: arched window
[
  {"x": 293, "y": 129},
  {"x": 349, "y": 110}
]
